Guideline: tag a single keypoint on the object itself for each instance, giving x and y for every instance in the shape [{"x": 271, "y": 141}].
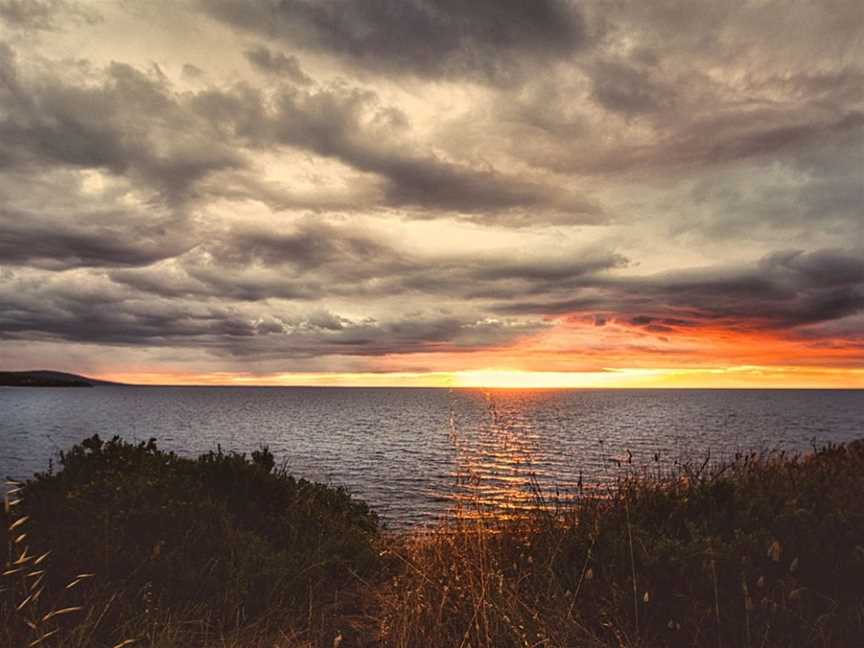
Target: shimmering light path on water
[{"x": 412, "y": 453}]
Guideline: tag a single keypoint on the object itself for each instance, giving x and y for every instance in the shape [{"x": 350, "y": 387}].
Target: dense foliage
[
  {"x": 225, "y": 550},
  {"x": 227, "y": 535}
]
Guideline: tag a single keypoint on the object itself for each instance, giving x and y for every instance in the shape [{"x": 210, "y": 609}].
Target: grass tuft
[
  {"x": 762, "y": 550},
  {"x": 132, "y": 545}
]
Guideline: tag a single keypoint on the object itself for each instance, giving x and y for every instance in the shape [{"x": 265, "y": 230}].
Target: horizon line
[{"x": 739, "y": 377}]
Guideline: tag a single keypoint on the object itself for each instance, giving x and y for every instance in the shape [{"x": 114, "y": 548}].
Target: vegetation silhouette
[{"x": 764, "y": 549}]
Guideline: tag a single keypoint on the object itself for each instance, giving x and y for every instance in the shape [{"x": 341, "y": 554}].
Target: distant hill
[{"x": 47, "y": 379}]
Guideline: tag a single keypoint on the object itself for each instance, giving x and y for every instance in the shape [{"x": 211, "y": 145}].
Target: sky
[{"x": 434, "y": 192}]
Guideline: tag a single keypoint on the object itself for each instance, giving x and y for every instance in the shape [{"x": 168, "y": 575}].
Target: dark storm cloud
[
  {"x": 134, "y": 124},
  {"x": 735, "y": 141},
  {"x": 808, "y": 295},
  {"x": 98, "y": 239},
  {"x": 693, "y": 137},
  {"x": 783, "y": 291},
  {"x": 821, "y": 185},
  {"x": 315, "y": 260},
  {"x": 430, "y": 182},
  {"x": 277, "y": 63},
  {"x": 351, "y": 125},
  {"x": 127, "y": 123},
  {"x": 429, "y": 38},
  {"x": 629, "y": 90},
  {"x": 309, "y": 262},
  {"x": 309, "y": 247},
  {"x": 677, "y": 87},
  {"x": 793, "y": 292},
  {"x": 237, "y": 202},
  {"x": 49, "y": 310}
]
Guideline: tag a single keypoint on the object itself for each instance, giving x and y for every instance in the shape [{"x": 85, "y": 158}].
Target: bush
[{"x": 227, "y": 536}]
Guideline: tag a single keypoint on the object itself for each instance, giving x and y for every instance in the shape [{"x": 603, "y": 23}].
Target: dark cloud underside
[
  {"x": 432, "y": 38},
  {"x": 344, "y": 182}
]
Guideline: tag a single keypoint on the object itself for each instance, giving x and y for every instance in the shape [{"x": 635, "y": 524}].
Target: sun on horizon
[{"x": 720, "y": 378}]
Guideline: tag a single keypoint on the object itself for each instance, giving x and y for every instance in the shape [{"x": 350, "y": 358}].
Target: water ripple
[{"x": 414, "y": 454}]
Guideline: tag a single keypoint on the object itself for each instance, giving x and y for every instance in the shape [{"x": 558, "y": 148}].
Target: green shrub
[{"x": 224, "y": 534}]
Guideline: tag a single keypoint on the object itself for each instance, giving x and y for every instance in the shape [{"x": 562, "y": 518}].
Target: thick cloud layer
[
  {"x": 437, "y": 38},
  {"x": 782, "y": 291},
  {"x": 373, "y": 185}
]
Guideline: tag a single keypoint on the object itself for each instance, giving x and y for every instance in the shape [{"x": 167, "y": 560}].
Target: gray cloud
[
  {"x": 817, "y": 193},
  {"x": 129, "y": 124},
  {"x": 277, "y": 63},
  {"x": 46, "y": 309},
  {"x": 351, "y": 124},
  {"x": 666, "y": 87},
  {"x": 629, "y": 90},
  {"x": 808, "y": 295},
  {"x": 673, "y": 134},
  {"x": 236, "y": 203},
  {"x": 430, "y": 38},
  {"x": 783, "y": 291},
  {"x": 315, "y": 261},
  {"x": 192, "y": 71},
  {"x": 103, "y": 238},
  {"x": 136, "y": 125},
  {"x": 308, "y": 248}
]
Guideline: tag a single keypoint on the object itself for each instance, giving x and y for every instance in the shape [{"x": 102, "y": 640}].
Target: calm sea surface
[{"x": 414, "y": 453}]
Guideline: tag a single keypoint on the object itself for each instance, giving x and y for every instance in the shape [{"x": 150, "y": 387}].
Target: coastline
[{"x": 766, "y": 545}]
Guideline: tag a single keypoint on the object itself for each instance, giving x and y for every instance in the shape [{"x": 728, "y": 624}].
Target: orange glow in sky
[
  {"x": 577, "y": 356},
  {"x": 718, "y": 377}
]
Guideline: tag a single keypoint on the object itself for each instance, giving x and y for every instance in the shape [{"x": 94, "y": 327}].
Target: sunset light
[
  {"x": 704, "y": 378},
  {"x": 432, "y": 323}
]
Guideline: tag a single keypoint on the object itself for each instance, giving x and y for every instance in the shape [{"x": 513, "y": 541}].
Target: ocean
[{"x": 416, "y": 454}]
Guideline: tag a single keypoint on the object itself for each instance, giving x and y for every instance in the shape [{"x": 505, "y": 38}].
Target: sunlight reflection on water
[{"x": 416, "y": 453}]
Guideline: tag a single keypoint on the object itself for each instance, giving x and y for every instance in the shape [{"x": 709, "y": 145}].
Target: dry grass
[{"x": 766, "y": 550}]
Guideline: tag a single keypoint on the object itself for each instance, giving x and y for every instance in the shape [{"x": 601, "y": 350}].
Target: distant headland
[{"x": 44, "y": 378}]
